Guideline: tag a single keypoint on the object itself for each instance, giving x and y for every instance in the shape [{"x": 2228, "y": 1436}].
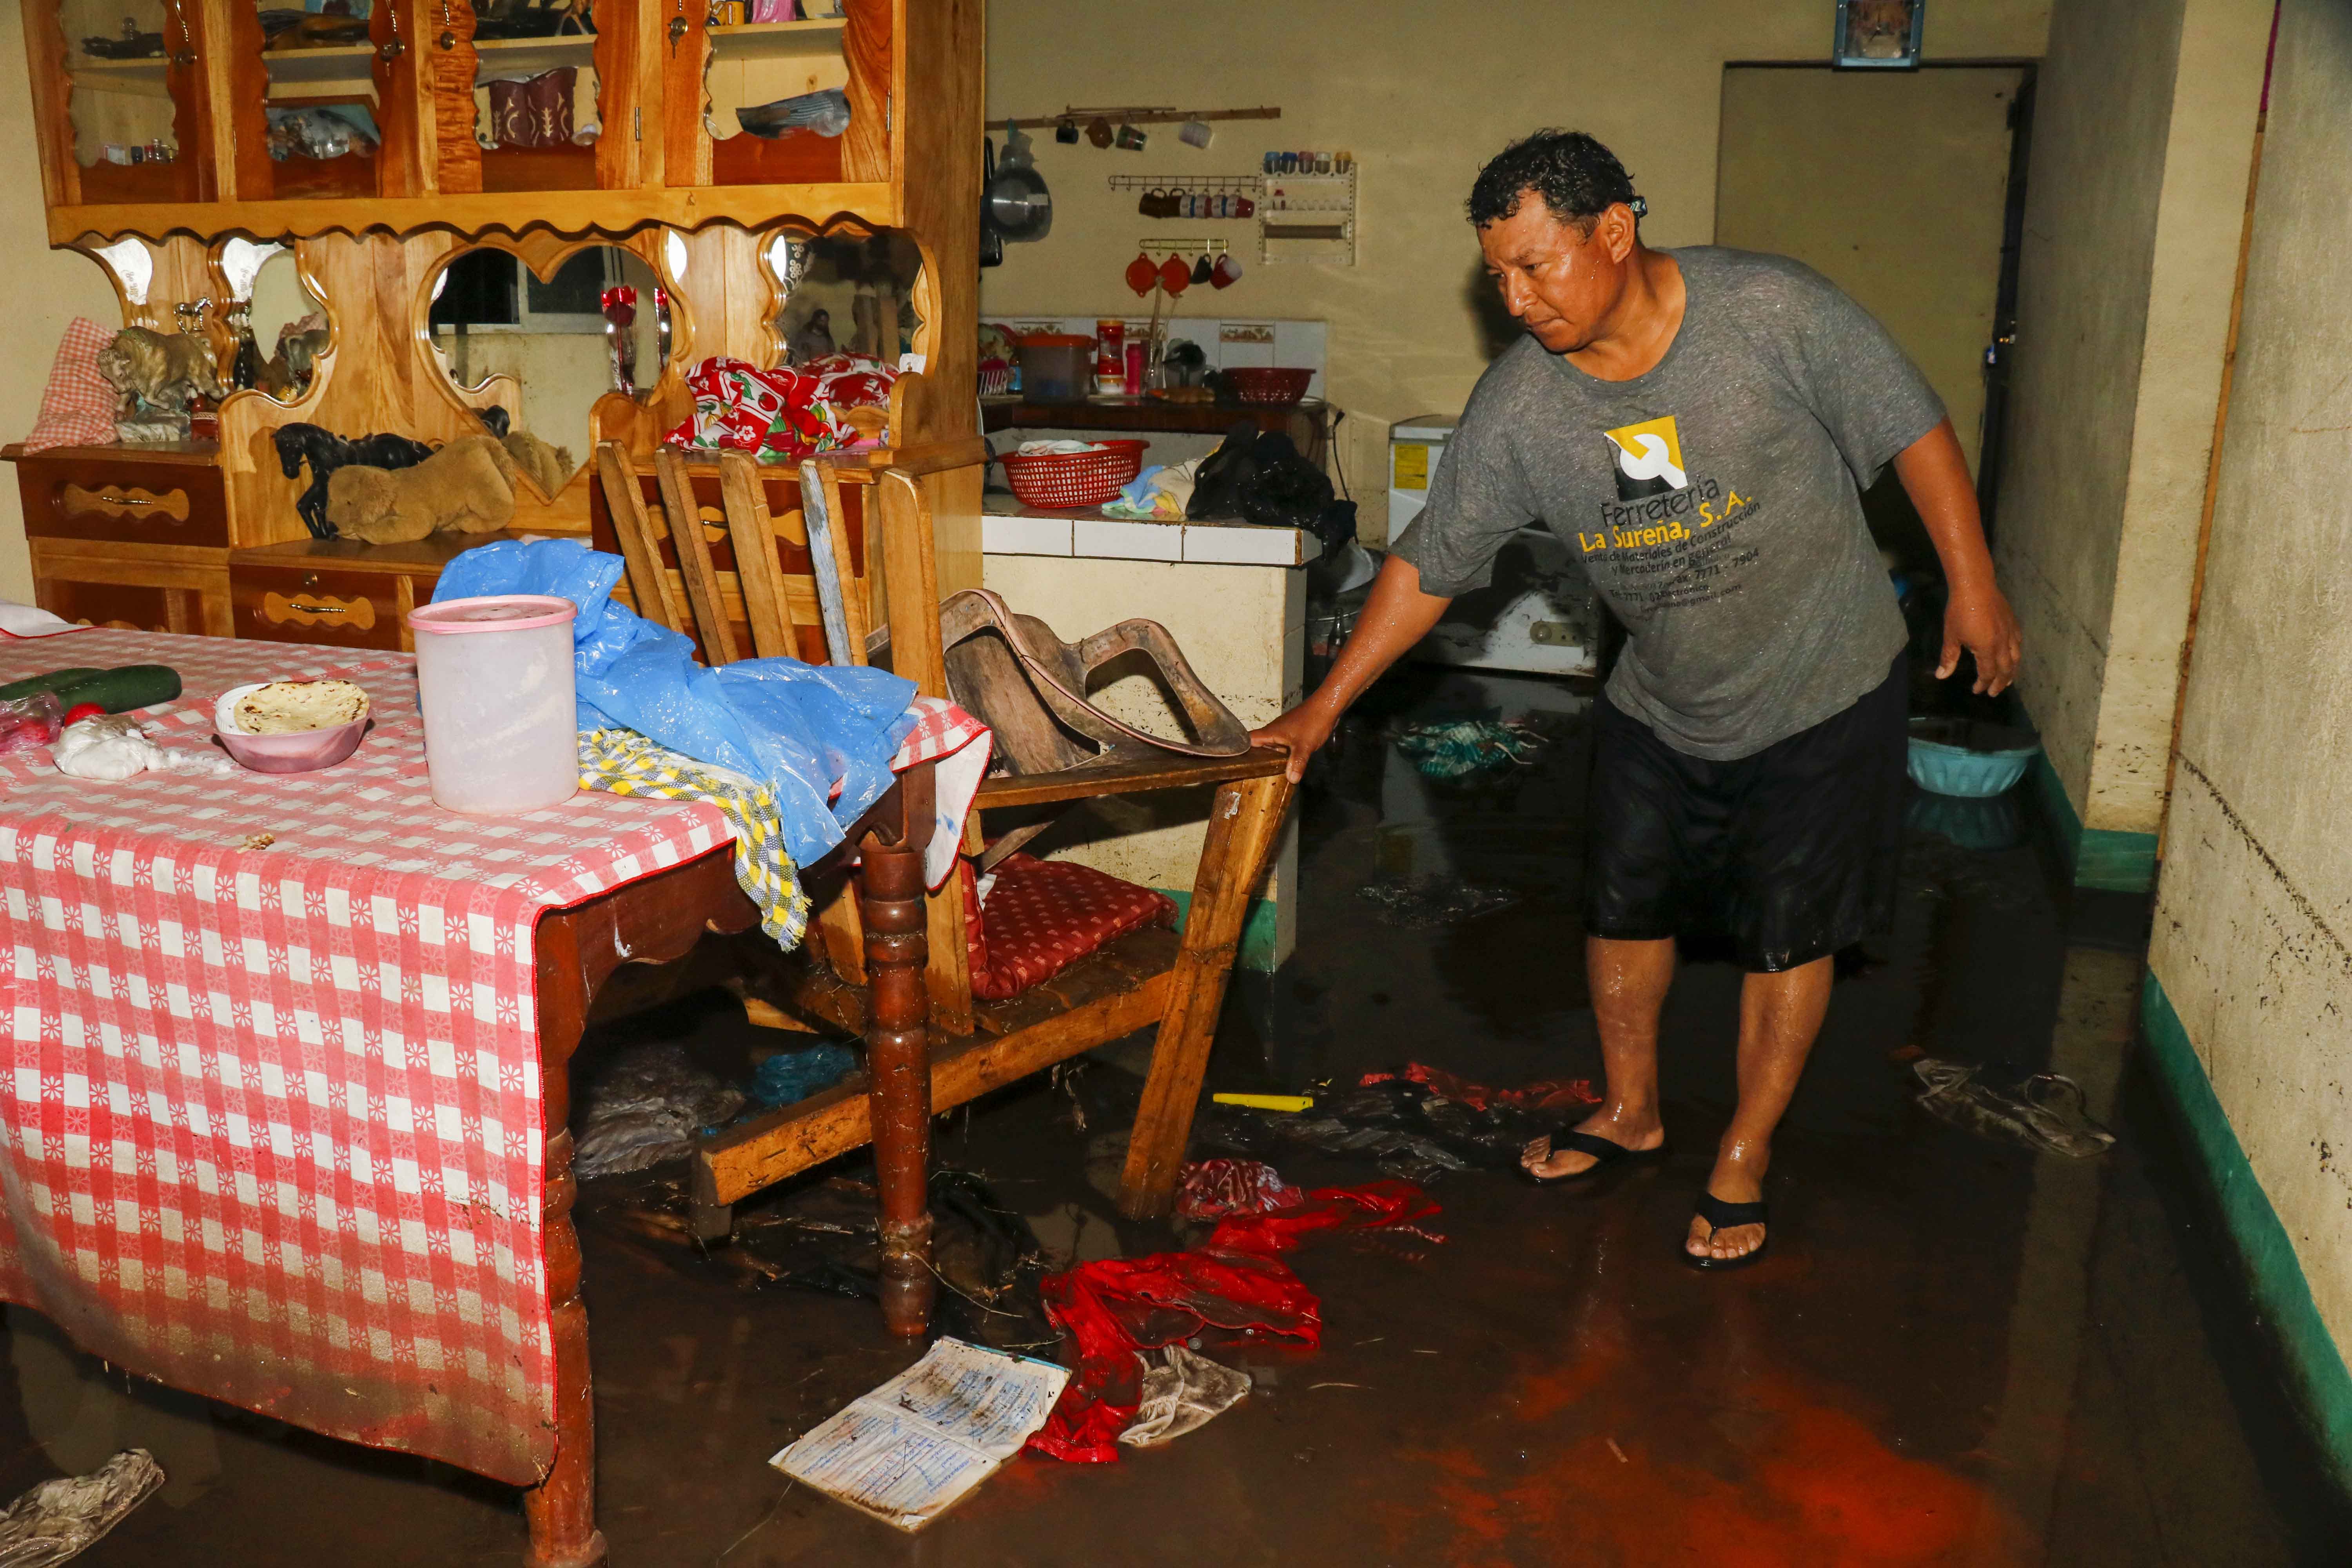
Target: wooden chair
[{"x": 929, "y": 1046}]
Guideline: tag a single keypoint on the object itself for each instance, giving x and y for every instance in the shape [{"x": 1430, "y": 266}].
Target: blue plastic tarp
[{"x": 802, "y": 729}]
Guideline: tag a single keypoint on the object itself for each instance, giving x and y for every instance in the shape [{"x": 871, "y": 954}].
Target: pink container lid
[{"x": 494, "y": 612}]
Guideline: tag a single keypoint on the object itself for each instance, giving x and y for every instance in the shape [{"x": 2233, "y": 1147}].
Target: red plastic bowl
[{"x": 1267, "y": 385}]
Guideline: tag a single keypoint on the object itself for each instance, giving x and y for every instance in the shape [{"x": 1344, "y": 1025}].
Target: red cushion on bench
[{"x": 1043, "y": 916}]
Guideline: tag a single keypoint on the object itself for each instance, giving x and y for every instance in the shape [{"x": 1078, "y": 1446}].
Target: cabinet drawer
[
  {"x": 339, "y": 609},
  {"x": 160, "y": 590},
  {"x": 133, "y": 503}
]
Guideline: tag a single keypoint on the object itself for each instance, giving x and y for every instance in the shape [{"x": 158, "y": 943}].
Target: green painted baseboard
[
  {"x": 2273, "y": 1275},
  {"x": 1257, "y": 947},
  {"x": 2096, "y": 857}
]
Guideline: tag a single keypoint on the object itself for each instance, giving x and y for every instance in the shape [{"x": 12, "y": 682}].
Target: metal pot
[{"x": 1017, "y": 202}]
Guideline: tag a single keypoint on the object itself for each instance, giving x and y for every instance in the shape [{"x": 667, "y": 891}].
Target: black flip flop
[
  {"x": 1604, "y": 1153},
  {"x": 1721, "y": 1215}
]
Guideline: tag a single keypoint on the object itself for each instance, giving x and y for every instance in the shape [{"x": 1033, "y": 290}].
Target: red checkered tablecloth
[{"x": 272, "y": 1130}]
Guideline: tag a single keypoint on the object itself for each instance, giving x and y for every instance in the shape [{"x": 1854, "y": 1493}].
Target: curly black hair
[{"x": 1578, "y": 178}]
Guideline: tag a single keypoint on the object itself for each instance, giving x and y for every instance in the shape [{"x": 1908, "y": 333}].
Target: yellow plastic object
[{"x": 1267, "y": 1101}]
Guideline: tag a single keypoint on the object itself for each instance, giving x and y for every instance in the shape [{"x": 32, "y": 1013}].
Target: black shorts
[{"x": 1791, "y": 854}]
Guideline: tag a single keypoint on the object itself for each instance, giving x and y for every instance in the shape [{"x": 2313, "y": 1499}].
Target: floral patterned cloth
[{"x": 781, "y": 414}]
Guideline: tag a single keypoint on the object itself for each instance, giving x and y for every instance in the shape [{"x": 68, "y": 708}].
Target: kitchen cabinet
[{"x": 177, "y": 138}]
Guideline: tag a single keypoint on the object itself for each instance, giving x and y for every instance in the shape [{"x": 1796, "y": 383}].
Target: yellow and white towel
[{"x": 622, "y": 761}]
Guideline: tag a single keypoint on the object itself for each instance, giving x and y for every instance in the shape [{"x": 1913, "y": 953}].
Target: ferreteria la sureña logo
[{"x": 1647, "y": 458}]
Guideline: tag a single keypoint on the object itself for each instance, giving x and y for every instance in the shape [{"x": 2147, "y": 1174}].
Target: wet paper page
[{"x": 909, "y": 1451}]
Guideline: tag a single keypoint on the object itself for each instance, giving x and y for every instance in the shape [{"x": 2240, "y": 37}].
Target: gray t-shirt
[{"x": 1715, "y": 502}]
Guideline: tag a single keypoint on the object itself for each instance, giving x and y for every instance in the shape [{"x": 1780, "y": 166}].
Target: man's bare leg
[
  {"x": 1779, "y": 1014},
  {"x": 1629, "y": 980}
]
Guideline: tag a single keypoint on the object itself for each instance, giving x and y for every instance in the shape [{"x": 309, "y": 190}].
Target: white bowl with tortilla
[{"x": 284, "y": 706}]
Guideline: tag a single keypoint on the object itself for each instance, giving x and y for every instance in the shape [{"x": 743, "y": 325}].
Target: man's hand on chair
[{"x": 1302, "y": 732}]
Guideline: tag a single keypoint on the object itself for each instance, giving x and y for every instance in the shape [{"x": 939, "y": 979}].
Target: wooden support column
[{"x": 1242, "y": 826}]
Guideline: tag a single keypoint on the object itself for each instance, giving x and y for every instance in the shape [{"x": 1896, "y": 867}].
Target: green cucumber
[
  {"x": 34, "y": 685},
  {"x": 120, "y": 690}
]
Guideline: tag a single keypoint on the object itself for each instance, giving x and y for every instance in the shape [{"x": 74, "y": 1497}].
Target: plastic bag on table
[
  {"x": 28, "y": 721},
  {"x": 822, "y": 736}
]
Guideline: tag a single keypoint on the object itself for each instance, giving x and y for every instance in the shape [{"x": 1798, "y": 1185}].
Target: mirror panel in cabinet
[
  {"x": 844, "y": 295},
  {"x": 322, "y": 101},
  {"x": 537, "y": 97},
  {"x": 279, "y": 326},
  {"x": 600, "y": 323},
  {"x": 132, "y": 84}
]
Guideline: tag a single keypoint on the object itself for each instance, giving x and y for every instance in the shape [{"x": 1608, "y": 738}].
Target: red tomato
[{"x": 81, "y": 710}]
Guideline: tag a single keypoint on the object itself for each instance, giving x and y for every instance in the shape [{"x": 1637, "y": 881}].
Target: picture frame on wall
[{"x": 1878, "y": 34}]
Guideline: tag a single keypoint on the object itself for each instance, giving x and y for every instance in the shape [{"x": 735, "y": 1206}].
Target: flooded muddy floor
[{"x": 1959, "y": 1353}]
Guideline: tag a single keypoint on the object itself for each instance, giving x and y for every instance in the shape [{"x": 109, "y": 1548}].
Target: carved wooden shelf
[
  {"x": 535, "y": 55},
  {"x": 778, "y": 40}
]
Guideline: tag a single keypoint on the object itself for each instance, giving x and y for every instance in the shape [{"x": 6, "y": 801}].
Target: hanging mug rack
[{"x": 1238, "y": 184}]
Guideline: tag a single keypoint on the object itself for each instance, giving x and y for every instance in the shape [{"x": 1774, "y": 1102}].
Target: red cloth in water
[
  {"x": 1212, "y": 1189},
  {"x": 1326, "y": 1208},
  {"x": 1109, "y": 1310},
  {"x": 1546, "y": 1094}
]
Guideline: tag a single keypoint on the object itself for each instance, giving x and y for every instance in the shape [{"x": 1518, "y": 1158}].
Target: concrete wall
[
  {"x": 1423, "y": 95},
  {"x": 2255, "y": 910},
  {"x": 1912, "y": 230},
  {"x": 2142, "y": 138},
  {"x": 46, "y": 288}
]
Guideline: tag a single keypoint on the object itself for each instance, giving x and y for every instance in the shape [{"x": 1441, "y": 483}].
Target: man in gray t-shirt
[{"x": 1697, "y": 426}]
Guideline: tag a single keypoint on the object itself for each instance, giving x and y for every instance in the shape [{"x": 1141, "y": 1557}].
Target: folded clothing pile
[
  {"x": 781, "y": 414},
  {"x": 1161, "y": 494}
]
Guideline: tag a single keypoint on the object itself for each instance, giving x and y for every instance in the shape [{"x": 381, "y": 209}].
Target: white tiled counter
[{"x": 1234, "y": 598}]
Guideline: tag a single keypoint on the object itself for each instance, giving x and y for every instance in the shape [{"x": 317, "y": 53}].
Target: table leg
[
  {"x": 899, "y": 1067},
  {"x": 562, "y": 1507}
]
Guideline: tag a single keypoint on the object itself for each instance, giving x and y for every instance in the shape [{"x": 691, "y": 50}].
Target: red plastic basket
[
  {"x": 1267, "y": 385},
  {"x": 1062, "y": 480}
]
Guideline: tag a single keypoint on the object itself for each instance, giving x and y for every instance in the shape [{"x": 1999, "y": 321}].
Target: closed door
[{"x": 1890, "y": 184}]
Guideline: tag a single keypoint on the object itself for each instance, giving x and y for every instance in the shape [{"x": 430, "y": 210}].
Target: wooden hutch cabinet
[{"x": 170, "y": 151}]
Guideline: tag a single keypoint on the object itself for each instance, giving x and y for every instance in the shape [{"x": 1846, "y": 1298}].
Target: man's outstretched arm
[
  {"x": 1396, "y": 615},
  {"x": 1975, "y": 616}
]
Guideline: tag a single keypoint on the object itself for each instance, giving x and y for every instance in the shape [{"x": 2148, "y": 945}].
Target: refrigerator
[{"x": 1538, "y": 616}]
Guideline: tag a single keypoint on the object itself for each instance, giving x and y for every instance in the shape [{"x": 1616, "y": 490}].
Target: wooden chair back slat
[
  {"x": 910, "y": 582},
  {"x": 624, "y": 500},
  {"x": 694, "y": 557},
  {"x": 759, "y": 575}
]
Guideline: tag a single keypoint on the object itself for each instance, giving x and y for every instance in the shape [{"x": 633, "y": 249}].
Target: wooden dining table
[{"x": 286, "y": 1120}]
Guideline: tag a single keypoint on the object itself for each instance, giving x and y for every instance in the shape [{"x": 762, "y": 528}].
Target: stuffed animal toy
[
  {"x": 325, "y": 452},
  {"x": 467, "y": 487},
  {"x": 160, "y": 371},
  {"x": 546, "y": 467}
]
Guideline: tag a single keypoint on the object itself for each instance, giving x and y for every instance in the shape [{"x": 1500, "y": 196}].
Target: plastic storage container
[
  {"x": 1056, "y": 367},
  {"x": 494, "y": 679}
]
